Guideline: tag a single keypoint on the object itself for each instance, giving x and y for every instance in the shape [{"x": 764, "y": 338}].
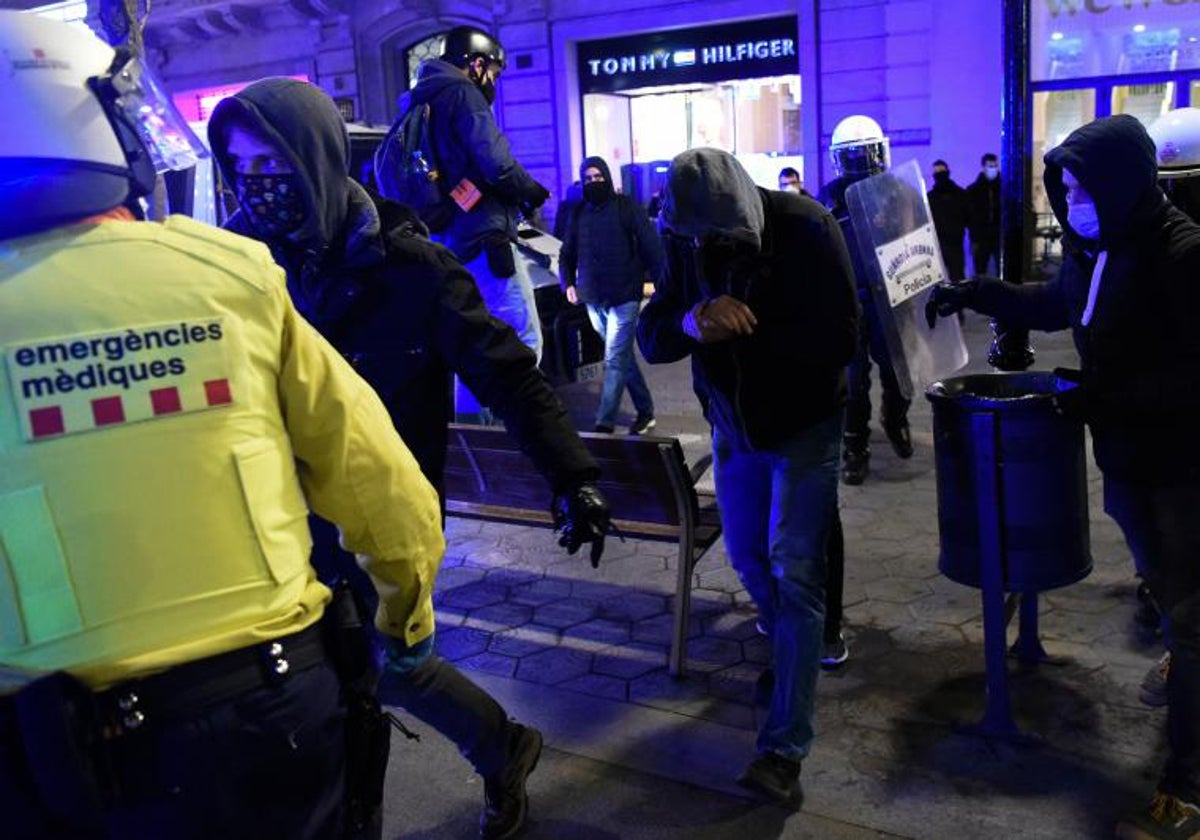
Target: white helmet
[
  {"x": 88, "y": 125},
  {"x": 858, "y": 148},
  {"x": 1176, "y": 135}
]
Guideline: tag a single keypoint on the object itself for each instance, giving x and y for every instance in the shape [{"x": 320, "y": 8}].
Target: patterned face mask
[{"x": 273, "y": 202}]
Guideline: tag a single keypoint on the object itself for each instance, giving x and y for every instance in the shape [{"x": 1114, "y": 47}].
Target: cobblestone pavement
[{"x": 557, "y": 638}]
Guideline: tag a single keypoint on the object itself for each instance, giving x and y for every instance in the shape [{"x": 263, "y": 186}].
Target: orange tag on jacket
[{"x": 466, "y": 195}]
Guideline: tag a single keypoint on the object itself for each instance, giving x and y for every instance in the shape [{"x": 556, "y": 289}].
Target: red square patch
[
  {"x": 165, "y": 400},
  {"x": 46, "y": 421},
  {"x": 217, "y": 392},
  {"x": 108, "y": 410}
]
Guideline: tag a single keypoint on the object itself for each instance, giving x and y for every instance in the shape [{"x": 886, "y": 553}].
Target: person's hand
[
  {"x": 536, "y": 198},
  {"x": 719, "y": 319},
  {"x": 947, "y": 299},
  {"x": 572, "y": 294},
  {"x": 1070, "y": 395},
  {"x": 580, "y": 516}
]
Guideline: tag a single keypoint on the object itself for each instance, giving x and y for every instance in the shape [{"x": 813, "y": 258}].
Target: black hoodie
[
  {"x": 1140, "y": 351},
  {"x": 790, "y": 374},
  {"x": 403, "y": 310}
]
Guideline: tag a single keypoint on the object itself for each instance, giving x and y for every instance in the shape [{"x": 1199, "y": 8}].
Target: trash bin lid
[{"x": 997, "y": 390}]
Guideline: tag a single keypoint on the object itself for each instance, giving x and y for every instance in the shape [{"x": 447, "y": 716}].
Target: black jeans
[
  {"x": 266, "y": 765},
  {"x": 1162, "y": 528},
  {"x": 871, "y": 345}
]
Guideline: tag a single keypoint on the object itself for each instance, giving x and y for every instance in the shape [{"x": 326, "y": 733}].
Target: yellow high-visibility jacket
[{"x": 166, "y": 421}]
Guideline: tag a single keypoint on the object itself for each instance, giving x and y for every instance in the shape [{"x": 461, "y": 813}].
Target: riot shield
[{"x": 894, "y": 235}]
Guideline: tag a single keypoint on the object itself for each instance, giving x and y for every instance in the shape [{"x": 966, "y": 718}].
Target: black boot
[
  {"x": 856, "y": 459},
  {"x": 898, "y": 435}
]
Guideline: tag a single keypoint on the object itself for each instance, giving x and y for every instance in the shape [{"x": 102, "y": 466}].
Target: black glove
[
  {"x": 581, "y": 515},
  {"x": 533, "y": 201},
  {"x": 948, "y": 298},
  {"x": 1070, "y": 397}
]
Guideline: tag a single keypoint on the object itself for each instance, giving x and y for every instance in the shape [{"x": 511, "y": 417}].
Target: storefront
[
  {"x": 645, "y": 98},
  {"x": 1094, "y": 58}
]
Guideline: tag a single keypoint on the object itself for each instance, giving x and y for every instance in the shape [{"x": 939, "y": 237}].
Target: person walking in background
[
  {"x": 789, "y": 181},
  {"x": 1128, "y": 291},
  {"x": 758, "y": 281},
  {"x": 983, "y": 217},
  {"x": 407, "y": 315},
  {"x": 948, "y": 206},
  {"x": 608, "y": 251},
  {"x": 153, "y": 523}
]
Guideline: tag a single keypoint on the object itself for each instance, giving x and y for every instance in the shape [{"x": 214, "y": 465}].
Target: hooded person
[
  {"x": 948, "y": 207},
  {"x": 1128, "y": 291},
  {"x": 609, "y": 249},
  {"x": 757, "y": 282},
  {"x": 407, "y": 315}
]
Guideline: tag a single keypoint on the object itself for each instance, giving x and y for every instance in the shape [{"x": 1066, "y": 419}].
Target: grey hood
[{"x": 708, "y": 192}]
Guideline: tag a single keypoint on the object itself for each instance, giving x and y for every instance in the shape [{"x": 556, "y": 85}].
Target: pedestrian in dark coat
[{"x": 948, "y": 206}]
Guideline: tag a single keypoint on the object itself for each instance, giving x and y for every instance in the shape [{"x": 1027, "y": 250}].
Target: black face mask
[
  {"x": 486, "y": 85},
  {"x": 941, "y": 176},
  {"x": 723, "y": 266},
  {"x": 596, "y": 192},
  {"x": 273, "y": 203}
]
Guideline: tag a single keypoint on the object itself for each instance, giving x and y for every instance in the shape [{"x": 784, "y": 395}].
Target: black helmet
[{"x": 466, "y": 43}]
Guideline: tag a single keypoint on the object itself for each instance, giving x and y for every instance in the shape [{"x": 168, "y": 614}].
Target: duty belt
[{"x": 187, "y": 689}]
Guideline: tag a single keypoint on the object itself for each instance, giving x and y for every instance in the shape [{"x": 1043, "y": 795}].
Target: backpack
[{"x": 406, "y": 168}]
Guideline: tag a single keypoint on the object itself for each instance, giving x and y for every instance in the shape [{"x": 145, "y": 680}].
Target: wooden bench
[{"x": 650, "y": 489}]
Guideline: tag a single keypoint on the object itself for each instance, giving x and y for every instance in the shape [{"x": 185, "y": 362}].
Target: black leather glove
[
  {"x": 948, "y": 298},
  {"x": 581, "y": 515},
  {"x": 1070, "y": 397}
]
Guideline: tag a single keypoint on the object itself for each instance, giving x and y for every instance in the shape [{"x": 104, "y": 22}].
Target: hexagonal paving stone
[
  {"x": 957, "y": 608},
  {"x": 737, "y": 624},
  {"x": 629, "y": 661},
  {"x": 662, "y": 691},
  {"x": 736, "y": 684},
  {"x": 632, "y": 606},
  {"x": 757, "y": 650},
  {"x": 540, "y": 591},
  {"x": 502, "y": 616},
  {"x": 712, "y": 654},
  {"x": 512, "y": 577},
  {"x": 522, "y": 641},
  {"x": 597, "y": 685},
  {"x": 598, "y": 592},
  {"x": 461, "y": 642},
  {"x": 565, "y": 613},
  {"x": 597, "y": 633},
  {"x": 552, "y": 667},
  {"x": 659, "y": 629},
  {"x": 490, "y": 663},
  {"x": 897, "y": 590},
  {"x": 452, "y": 577},
  {"x": 474, "y": 595},
  {"x": 721, "y": 580}
]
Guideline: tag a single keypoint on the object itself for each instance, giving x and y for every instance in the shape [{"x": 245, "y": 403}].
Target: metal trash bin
[{"x": 1008, "y": 463}]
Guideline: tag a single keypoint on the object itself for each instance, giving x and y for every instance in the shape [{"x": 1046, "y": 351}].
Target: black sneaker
[
  {"x": 1167, "y": 817},
  {"x": 834, "y": 653},
  {"x": 855, "y": 466},
  {"x": 642, "y": 424},
  {"x": 900, "y": 438},
  {"x": 602, "y": 429},
  {"x": 1154, "y": 684},
  {"x": 505, "y": 802},
  {"x": 774, "y": 777}
]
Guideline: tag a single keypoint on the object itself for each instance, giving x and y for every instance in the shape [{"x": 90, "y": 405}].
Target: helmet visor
[{"x": 141, "y": 101}]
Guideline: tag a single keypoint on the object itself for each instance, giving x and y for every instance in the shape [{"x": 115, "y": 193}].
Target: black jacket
[
  {"x": 789, "y": 374},
  {"x": 468, "y": 144},
  {"x": 983, "y": 208},
  {"x": 608, "y": 248},
  {"x": 1140, "y": 352},
  {"x": 948, "y": 207},
  {"x": 402, "y": 309}
]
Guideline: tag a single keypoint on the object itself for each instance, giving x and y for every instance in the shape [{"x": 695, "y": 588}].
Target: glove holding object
[
  {"x": 947, "y": 299},
  {"x": 581, "y": 515}
]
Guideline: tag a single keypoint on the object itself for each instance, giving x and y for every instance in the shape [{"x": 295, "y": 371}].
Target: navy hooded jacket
[{"x": 1140, "y": 351}]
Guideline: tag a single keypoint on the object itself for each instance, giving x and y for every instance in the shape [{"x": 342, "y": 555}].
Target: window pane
[{"x": 1055, "y": 115}]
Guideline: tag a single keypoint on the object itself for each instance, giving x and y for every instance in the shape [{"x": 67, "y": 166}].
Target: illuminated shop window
[
  {"x": 1056, "y": 114},
  {"x": 431, "y": 47},
  {"x": 1196, "y": 94}
]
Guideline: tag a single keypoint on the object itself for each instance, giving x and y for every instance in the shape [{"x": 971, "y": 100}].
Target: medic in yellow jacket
[{"x": 166, "y": 422}]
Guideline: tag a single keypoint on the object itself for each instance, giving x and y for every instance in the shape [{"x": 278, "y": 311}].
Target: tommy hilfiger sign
[{"x": 750, "y": 49}]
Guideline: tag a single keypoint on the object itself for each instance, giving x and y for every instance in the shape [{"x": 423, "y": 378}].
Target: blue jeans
[
  {"x": 511, "y": 300},
  {"x": 618, "y": 326},
  {"x": 1163, "y": 532},
  {"x": 776, "y": 508}
]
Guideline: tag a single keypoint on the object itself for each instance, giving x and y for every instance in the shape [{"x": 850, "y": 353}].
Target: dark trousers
[
  {"x": 871, "y": 345},
  {"x": 983, "y": 252},
  {"x": 835, "y": 573},
  {"x": 1162, "y": 527},
  {"x": 435, "y": 692},
  {"x": 268, "y": 764},
  {"x": 955, "y": 259}
]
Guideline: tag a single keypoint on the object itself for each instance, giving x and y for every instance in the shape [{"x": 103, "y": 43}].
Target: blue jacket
[{"x": 468, "y": 144}]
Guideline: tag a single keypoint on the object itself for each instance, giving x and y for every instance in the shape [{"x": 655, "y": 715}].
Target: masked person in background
[
  {"x": 757, "y": 282},
  {"x": 407, "y": 315},
  {"x": 983, "y": 216},
  {"x": 948, "y": 207},
  {"x": 168, "y": 421},
  {"x": 1128, "y": 291},
  {"x": 789, "y": 181}
]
